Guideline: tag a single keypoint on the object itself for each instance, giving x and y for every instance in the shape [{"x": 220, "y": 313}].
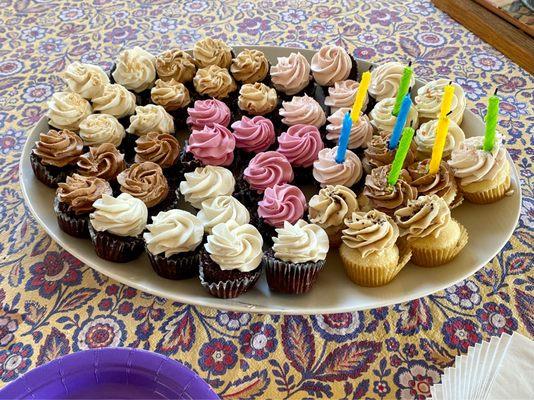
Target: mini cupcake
[
  {"x": 257, "y": 99},
  {"x": 85, "y": 79},
  {"x": 298, "y": 255},
  {"x": 360, "y": 132},
  {"x": 230, "y": 263},
  {"x": 379, "y": 194},
  {"x": 429, "y": 98},
  {"x": 484, "y": 176},
  {"x": 145, "y": 181},
  {"x": 66, "y": 110},
  {"x": 333, "y": 64},
  {"x": 173, "y": 96},
  {"x": 150, "y": 118},
  {"x": 432, "y": 235},
  {"x": 173, "y": 243},
  {"x": 302, "y": 110},
  {"x": 215, "y": 82},
  {"x": 426, "y": 136},
  {"x": 115, "y": 100},
  {"x": 301, "y": 145},
  {"x": 253, "y": 135},
  {"x": 209, "y": 51},
  {"x": 74, "y": 201},
  {"x": 291, "y": 76},
  {"x": 55, "y": 155},
  {"x": 135, "y": 69},
  {"x": 116, "y": 227},
  {"x": 208, "y": 112},
  {"x": 177, "y": 65},
  {"x": 383, "y": 120},
  {"x": 327, "y": 171},
  {"x": 385, "y": 80},
  {"x": 378, "y": 154},
  {"x": 104, "y": 162},
  {"x": 222, "y": 209},
  {"x": 330, "y": 207},
  {"x": 205, "y": 183},
  {"x": 250, "y": 66},
  {"x": 342, "y": 95},
  {"x": 97, "y": 129},
  {"x": 369, "y": 251}
]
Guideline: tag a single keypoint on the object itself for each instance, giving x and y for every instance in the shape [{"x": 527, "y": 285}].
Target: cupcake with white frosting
[
  {"x": 85, "y": 79},
  {"x": 429, "y": 98},
  {"x": 97, "y": 129},
  {"x": 115, "y": 100},
  {"x": 383, "y": 120},
  {"x": 135, "y": 69},
  {"x": 205, "y": 183},
  {"x": 327, "y": 171},
  {"x": 222, "y": 209},
  {"x": 425, "y": 138},
  {"x": 385, "y": 80},
  {"x": 66, "y": 110},
  {"x": 150, "y": 118}
]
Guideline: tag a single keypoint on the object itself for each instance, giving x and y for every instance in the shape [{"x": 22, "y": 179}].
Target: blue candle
[
  {"x": 343, "y": 139},
  {"x": 401, "y": 121}
]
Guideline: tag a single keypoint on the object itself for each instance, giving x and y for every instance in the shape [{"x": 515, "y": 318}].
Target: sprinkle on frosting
[
  {"x": 426, "y": 136},
  {"x": 214, "y": 81},
  {"x": 426, "y": 216},
  {"x": 441, "y": 184},
  {"x": 360, "y": 132},
  {"x": 212, "y": 145},
  {"x": 160, "y": 148},
  {"x": 175, "y": 64},
  {"x": 208, "y": 112},
  {"x": 291, "y": 74},
  {"x": 67, "y": 109},
  {"x": 115, "y": 100},
  {"x": 257, "y": 98},
  {"x": 135, "y": 69},
  {"x": 101, "y": 128},
  {"x": 250, "y": 66},
  {"x": 205, "y": 183},
  {"x": 267, "y": 170},
  {"x": 384, "y": 121},
  {"x": 342, "y": 95},
  {"x": 103, "y": 161},
  {"x": 254, "y": 134},
  {"x": 58, "y": 148},
  {"x": 80, "y": 192},
  {"x": 327, "y": 171},
  {"x": 150, "y": 118},
  {"x": 144, "y": 181},
  {"x": 331, "y": 206},
  {"x": 385, "y": 80},
  {"x": 209, "y": 51},
  {"x": 301, "y": 242},
  {"x": 172, "y": 95},
  {"x": 282, "y": 203},
  {"x": 222, "y": 209},
  {"x": 300, "y": 144},
  {"x": 302, "y": 110},
  {"x": 331, "y": 64},
  {"x": 85, "y": 79},
  {"x": 429, "y": 97},
  {"x": 123, "y": 215}
]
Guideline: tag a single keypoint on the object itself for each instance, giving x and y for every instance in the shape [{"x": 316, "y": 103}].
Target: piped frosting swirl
[
  {"x": 123, "y": 215},
  {"x": 212, "y": 145},
  {"x": 160, "y": 148},
  {"x": 208, "y": 112},
  {"x": 327, "y": 171},
  {"x": 150, "y": 118},
  {"x": 222, "y": 209},
  {"x": 101, "y": 128},
  {"x": 214, "y": 81},
  {"x": 429, "y": 97},
  {"x": 257, "y": 98},
  {"x": 175, "y": 64},
  {"x": 103, "y": 161},
  {"x": 254, "y": 134},
  {"x": 300, "y": 242},
  {"x": 385, "y": 80},
  {"x": 331, "y": 64},
  {"x": 209, "y": 51},
  {"x": 250, "y": 66},
  {"x": 58, "y": 148},
  {"x": 426, "y": 136},
  {"x": 331, "y": 206},
  {"x": 300, "y": 144},
  {"x": 342, "y": 95},
  {"x": 360, "y": 132},
  {"x": 282, "y": 203},
  {"x": 80, "y": 192},
  {"x": 172, "y": 95},
  {"x": 383, "y": 119},
  {"x": 426, "y": 216},
  {"x": 85, "y": 79},
  {"x": 205, "y": 183},
  {"x": 135, "y": 69},
  {"x": 291, "y": 74},
  {"x": 144, "y": 181},
  {"x": 115, "y": 100},
  {"x": 67, "y": 109},
  {"x": 268, "y": 169},
  {"x": 302, "y": 110}
]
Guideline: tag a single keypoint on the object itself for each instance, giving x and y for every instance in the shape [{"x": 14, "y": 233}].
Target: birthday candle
[
  {"x": 446, "y": 101},
  {"x": 401, "y": 121},
  {"x": 403, "y": 88},
  {"x": 439, "y": 144},
  {"x": 360, "y": 96},
  {"x": 491, "y": 122},
  {"x": 343, "y": 139},
  {"x": 402, "y": 151}
]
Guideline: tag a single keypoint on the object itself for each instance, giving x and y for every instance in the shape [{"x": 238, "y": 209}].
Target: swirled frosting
[
  {"x": 331, "y": 64},
  {"x": 58, "y": 148},
  {"x": 208, "y": 112},
  {"x": 300, "y": 242},
  {"x": 302, "y": 110},
  {"x": 212, "y": 145},
  {"x": 205, "y": 183},
  {"x": 150, "y": 118},
  {"x": 123, "y": 215},
  {"x": 257, "y": 98},
  {"x": 291, "y": 74},
  {"x": 385, "y": 80},
  {"x": 282, "y": 203},
  {"x": 250, "y": 66},
  {"x": 209, "y": 51},
  {"x": 442, "y": 183},
  {"x": 377, "y": 153},
  {"x": 67, "y": 109},
  {"x": 172, "y": 95},
  {"x": 426, "y": 216},
  {"x": 331, "y": 206},
  {"x": 85, "y": 79},
  {"x": 429, "y": 97},
  {"x": 214, "y": 81},
  {"x": 360, "y": 132},
  {"x": 101, "y": 128},
  {"x": 385, "y": 197},
  {"x": 80, "y": 192},
  {"x": 342, "y": 95},
  {"x": 175, "y": 64},
  {"x": 268, "y": 169},
  {"x": 254, "y": 134},
  {"x": 426, "y": 136},
  {"x": 103, "y": 161},
  {"x": 173, "y": 232},
  {"x": 327, "y": 171},
  {"x": 135, "y": 69},
  {"x": 370, "y": 232},
  {"x": 300, "y": 144},
  {"x": 160, "y": 148},
  {"x": 384, "y": 121},
  {"x": 144, "y": 181},
  {"x": 115, "y": 100},
  {"x": 221, "y": 209}
]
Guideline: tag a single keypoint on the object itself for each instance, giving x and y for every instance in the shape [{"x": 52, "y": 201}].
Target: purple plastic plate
[{"x": 110, "y": 374}]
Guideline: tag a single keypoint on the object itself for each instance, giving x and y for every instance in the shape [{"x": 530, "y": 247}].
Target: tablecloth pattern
[{"x": 52, "y": 304}]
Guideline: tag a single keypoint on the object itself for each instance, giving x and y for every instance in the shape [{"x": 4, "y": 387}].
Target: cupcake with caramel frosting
[
  {"x": 441, "y": 184},
  {"x": 291, "y": 75},
  {"x": 257, "y": 99},
  {"x": 175, "y": 65},
  {"x": 378, "y": 154},
  {"x": 250, "y": 66},
  {"x": 103, "y": 161},
  {"x": 171, "y": 95},
  {"x": 209, "y": 51},
  {"x": 214, "y": 81}
]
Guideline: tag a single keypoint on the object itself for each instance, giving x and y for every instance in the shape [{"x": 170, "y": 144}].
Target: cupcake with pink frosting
[
  {"x": 342, "y": 95},
  {"x": 291, "y": 76},
  {"x": 360, "y": 132},
  {"x": 207, "y": 113},
  {"x": 302, "y": 110},
  {"x": 327, "y": 171}
]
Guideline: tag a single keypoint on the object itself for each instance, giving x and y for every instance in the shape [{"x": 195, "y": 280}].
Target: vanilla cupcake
[
  {"x": 333, "y": 64},
  {"x": 135, "y": 69},
  {"x": 369, "y": 251},
  {"x": 177, "y": 65},
  {"x": 361, "y": 132},
  {"x": 209, "y": 51},
  {"x": 385, "y": 80},
  {"x": 85, "y": 79},
  {"x": 342, "y": 95},
  {"x": 97, "y": 129},
  {"x": 327, "y": 171},
  {"x": 150, "y": 118},
  {"x": 291, "y": 76},
  {"x": 205, "y": 183},
  {"x": 115, "y": 100},
  {"x": 250, "y": 66},
  {"x": 426, "y": 136},
  {"x": 432, "y": 235},
  {"x": 383, "y": 120},
  {"x": 221, "y": 209},
  {"x": 257, "y": 99},
  {"x": 429, "y": 98},
  {"x": 66, "y": 110}
]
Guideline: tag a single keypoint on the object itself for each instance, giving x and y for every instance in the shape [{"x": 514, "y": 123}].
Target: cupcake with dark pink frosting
[
  {"x": 291, "y": 76},
  {"x": 327, "y": 171},
  {"x": 253, "y": 135},
  {"x": 360, "y": 132},
  {"x": 208, "y": 112}
]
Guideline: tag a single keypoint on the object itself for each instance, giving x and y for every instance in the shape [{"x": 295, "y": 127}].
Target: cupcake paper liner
[
  {"x": 490, "y": 195},
  {"x": 116, "y": 248},
  {"x": 48, "y": 174},
  {"x": 177, "y": 267},
  {"x": 69, "y": 222}
]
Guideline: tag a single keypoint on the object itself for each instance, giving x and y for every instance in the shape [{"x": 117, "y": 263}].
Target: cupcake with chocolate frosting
[
  {"x": 55, "y": 155},
  {"x": 173, "y": 243},
  {"x": 257, "y": 99},
  {"x": 97, "y": 129},
  {"x": 177, "y": 65},
  {"x": 85, "y": 79},
  {"x": 216, "y": 82},
  {"x": 385, "y": 80},
  {"x": 66, "y": 110},
  {"x": 207, "y": 113},
  {"x": 205, "y": 183},
  {"x": 383, "y": 120},
  {"x": 253, "y": 135},
  {"x": 302, "y": 110},
  {"x": 429, "y": 98},
  {"x": 441, "y": 184},
  {"x": 342, "y": 95},
  {"x": 425, "y": 138},
  {"x": 361, "y": 132},
  {"x": 378, "y": 154},
  {"x": 327, "y": 171},
  {"x": 291, "y": 76},
  {"x": 173, "y": 96},
  {"x": 135, "y": 69},
  {"x": 104, "y": 162},
  {"x": 209, "y": 51},
  {"x": 117, "y": 101},
  {"x": 250, "y": 66},
  {"x": 222, "y": 209}
]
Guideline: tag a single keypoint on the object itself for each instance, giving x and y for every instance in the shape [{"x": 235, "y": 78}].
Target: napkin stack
[{"x": 502, "y": 368}]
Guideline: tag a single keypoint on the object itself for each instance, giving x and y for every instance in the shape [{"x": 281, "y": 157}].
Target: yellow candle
[
  {"x": 360, "y": 97},
  {"x": 439, "y": 144},
  {"x": 446, "y": 101}
]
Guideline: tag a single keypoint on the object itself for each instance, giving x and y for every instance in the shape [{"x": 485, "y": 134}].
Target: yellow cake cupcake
[
  {"x": 432, "y": 235},
  {"x": 369, "y": 251}
]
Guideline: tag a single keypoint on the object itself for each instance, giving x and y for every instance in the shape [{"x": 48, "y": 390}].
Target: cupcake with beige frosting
[
  {"x": 66, "y": 110},
  {"x": 215, "y": 82},
  {"x": 209, "y": 51},
  {"x": 135, "y": 69},
  {"x": 221, "y": 209},
  {"x": 177, "y": 65},
  {"x": 385, "y": 80},
  {"x": 171, "y": 95},
  {"x": 85, "y": 79},
  {"x": 425, "y": 138},
  {"x": 432, "y": 235},
  {"x": 257, "y": 99},
  {"x": 117, "y": 101},
  {"x": 97, "y": 129},
  {"x": 327, "y": 171},
  {"x": 291, "y": 75},
  {"x": 383, "y": 120},
  {"x": 250, "y": 66},
  {"x": 206, "y": 183},
  {"x": 369, "y": 252},
  {"x": 361, "y": 132},
  {"x": 429, "y": 98}
]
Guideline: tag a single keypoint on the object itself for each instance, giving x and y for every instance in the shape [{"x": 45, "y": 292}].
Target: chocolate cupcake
[
  {"x": 116, "y": 227},
  {"x": 361, "y": 132},
  {"x": 174, "y": 97},
  {"x": 221, "y": 209},
  {"x": 385, "y": 81},
  {"x": 135, "y": 69},
  {"x": 302, "y": 110},
  {"x": 115, "y": 100},
  {"x": 250, "y": 66},
  {"x": 85, "y": 79},
  {"x": 296, "y": 258},
  {"x": 230, "y": 263},
  {"x": 327, "y": 171},
  {"x": 97, "y": 129},
  {"x": 378, "y": 154},
  {"x": 291, "y": 76},
  {"x": 104, "y": 162},
  {"x": 252, "y": 135},
  {"x": 66, "y": 110},
  {"x": 342, "y": 95},
  {"x": 258, "y": 99},
  {"x": 74, "y": 201},
  {"x": 55, "y": 155},
  {"x": 173, "y": 243},
  {"x": 177, "y": 65},
  {"x": 216, "y": 82},
  {"x": 209, "y": 51},
  {"x": 205, "y": 183},
  {"x": 208, "y": 112},
  {"x": 383, "y": 120}
]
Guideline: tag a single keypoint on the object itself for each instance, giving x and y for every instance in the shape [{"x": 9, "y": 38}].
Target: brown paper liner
[
  {"x": 436, "y": 257},
  {"x": 334, "y": 239},
  {"x": 69, "y": 222},
  {"x": 116, "y": 248},
  {"x": 490, "y": 195},
  {"x": 364, "y": 275},
  {"x": 178, "y": 266}
]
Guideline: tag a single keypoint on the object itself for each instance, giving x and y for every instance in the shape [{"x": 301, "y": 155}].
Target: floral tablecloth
[{"x": 52, "y": 304}]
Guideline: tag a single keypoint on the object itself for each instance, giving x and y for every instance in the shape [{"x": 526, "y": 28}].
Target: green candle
[
  {"x": 404, "y": 86},
  {"x": 402, "y": 151},
  {"x": 491, "y": 122}
]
